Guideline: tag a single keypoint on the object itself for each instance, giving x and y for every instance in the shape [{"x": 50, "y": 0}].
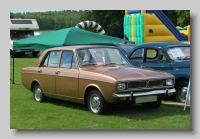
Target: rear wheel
[
  {"x": 96, "y": 102},
  {"x": 38, "y": 94},
  {"x": 181, "y": 91},
  {"x": 155, "y": 104}
]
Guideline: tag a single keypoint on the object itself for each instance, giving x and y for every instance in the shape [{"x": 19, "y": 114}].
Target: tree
[
  {"x": 110, "y": 20},
  {"x": 178, "y": 17},
  {"x": 183, "y": 17}
]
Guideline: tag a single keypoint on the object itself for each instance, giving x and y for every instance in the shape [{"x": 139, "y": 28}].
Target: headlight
[
  {"x": 121, "y": 86},
  {"x": 169, "y": 82}
]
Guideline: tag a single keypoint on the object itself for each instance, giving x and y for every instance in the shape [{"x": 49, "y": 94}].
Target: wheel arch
[
  {"x": 87, "y": 91},
  {"x": 33, "y": 83},
  {"x": 180, "y": 79}
]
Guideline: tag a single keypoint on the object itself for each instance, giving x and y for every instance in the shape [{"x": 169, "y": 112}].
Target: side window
[
  {"x": 115, "y": 57},
  {"x": 52, "y": 59},
  {"x": 137, "y": 55},
  {"x": 74, "y": 66},
  {"x": 151, "y": 55},
  {"x": 66, "y": 59}
]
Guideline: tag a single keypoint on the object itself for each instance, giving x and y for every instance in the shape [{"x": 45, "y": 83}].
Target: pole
[
  {"x": 13, "y": 56},
  {"x": 187, "y": 96}
]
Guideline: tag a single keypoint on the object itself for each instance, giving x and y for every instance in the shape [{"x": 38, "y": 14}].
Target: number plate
[{"x": 145, "y": 99}]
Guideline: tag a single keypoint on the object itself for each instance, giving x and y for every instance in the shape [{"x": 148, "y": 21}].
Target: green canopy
[{"x": 65, "y": 37}]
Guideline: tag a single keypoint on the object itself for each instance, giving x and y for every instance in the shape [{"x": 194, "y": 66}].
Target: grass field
[{"x": 25, "y": 113}]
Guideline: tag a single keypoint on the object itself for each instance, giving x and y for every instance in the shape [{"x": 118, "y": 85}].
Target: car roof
[
  {"x": 163, "y": 44},
  {"x": 80, "y": 47}
]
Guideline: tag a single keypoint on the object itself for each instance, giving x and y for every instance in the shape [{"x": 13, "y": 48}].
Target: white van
[{"x": 20, "y": 29}]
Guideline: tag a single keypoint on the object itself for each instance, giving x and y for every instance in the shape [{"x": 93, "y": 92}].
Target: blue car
[
  {"x": 125, "y": 47},
  {"x": 172, "y": 57}
]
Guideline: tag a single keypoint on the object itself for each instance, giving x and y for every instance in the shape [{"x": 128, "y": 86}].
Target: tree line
[{"x": 110, "y": 20}]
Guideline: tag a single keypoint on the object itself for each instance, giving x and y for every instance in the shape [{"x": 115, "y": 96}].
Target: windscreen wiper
[
  {"x": 109, "y": 64},
  {"x": 87, "y": 64}
]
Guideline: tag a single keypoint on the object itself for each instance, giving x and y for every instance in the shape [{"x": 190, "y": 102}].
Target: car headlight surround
[
  {"x": 121, "y": 86},
  {"x": 169, "y": 82}
]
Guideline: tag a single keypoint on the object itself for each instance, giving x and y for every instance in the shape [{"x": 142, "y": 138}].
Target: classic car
[
  {"x": 95, "y": 75},
  {"x": 172, "y": 57}
]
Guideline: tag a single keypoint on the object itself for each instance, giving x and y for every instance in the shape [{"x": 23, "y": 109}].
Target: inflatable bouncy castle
[
  {"x": 141, "y": 26},
  {"x": 184, "y": 30}
]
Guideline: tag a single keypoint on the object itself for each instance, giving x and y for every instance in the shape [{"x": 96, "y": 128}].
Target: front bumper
[{"x": 167, "y": 92}]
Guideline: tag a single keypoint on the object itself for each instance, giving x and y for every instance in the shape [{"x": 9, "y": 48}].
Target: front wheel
[
  {"x": 181, "y": 91},
  {"x": 38, "y": 94},
  {"x": 96, "y": 102}
]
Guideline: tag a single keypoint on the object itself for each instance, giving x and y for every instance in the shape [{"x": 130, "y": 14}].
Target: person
[{"x": 125, "y": 37}]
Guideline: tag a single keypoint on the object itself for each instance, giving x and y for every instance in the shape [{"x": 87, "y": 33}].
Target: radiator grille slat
[
  {"x": 137, "y": 84},
  {"x": 155, "y": 83},
  {"x": 145, "y": 84}
]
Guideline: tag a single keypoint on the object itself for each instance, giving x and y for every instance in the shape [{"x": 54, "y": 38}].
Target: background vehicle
[
  {"x": 172, "y": 57},
  {"x": 125, "y": 47},
  {"x": 20, "y": 29}
]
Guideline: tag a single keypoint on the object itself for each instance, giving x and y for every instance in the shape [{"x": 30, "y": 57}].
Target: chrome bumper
[{"x": 156, "y": 92}]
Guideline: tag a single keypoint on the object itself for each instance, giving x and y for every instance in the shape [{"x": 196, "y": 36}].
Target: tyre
[
  {"x": 181, "y": 91},
  {"x": 96, "y": 102},
  {"x": 38, "y": 94},
  {"x": 155, "y": 104}
]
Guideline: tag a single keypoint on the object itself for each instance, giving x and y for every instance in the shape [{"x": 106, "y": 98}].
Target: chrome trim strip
[{"x": 155, "y": 92}]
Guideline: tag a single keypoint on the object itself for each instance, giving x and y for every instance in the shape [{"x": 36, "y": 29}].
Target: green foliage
[
  {"x": 178, "y": 17},
  {"x": 183, "y": 17},
  {"x": 171, "y": 14},
  {"x": 52, "y": 20},
  {"x": 110, "y": 20}
]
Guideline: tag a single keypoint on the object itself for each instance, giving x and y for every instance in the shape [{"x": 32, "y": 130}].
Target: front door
[
  {"x": 67, "y": 76},
  {"x": 150, "y": 58}
]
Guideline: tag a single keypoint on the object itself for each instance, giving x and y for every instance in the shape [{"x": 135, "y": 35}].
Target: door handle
[
  {"x": 57, "y": 72},
  {"x": 143, "y": 66}
]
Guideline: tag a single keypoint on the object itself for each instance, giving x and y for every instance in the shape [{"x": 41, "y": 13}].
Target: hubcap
[
  {"x": 38, "y": 93},
  {"x": 183, "y": 93},
  {"x": 94, "y": 103}
]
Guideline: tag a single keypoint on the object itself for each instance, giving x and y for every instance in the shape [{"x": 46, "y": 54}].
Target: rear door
[{"x": 47, "y": 72}]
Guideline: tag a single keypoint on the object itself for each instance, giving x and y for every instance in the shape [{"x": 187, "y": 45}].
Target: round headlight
[
  {"x": 121, "y": 86},
  {"x": 169, "y": 82}
]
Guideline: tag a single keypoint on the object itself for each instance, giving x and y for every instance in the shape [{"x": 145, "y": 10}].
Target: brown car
[{"x": 96, "y": 76}]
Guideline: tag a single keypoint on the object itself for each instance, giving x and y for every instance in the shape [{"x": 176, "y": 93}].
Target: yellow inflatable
[{"x": 142, "y": 26}]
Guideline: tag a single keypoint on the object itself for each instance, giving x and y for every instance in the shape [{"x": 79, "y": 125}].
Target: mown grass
[{"x": 55, "y": 114}]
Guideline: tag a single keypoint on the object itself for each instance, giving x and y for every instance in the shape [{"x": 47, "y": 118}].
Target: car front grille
[
  {"x": 137, "y": 84},
  {"x": 155, "y": 83},
  {"x": 145, "y": 84}
]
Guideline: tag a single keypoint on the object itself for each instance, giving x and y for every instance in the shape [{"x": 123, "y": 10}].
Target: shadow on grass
[{"x": 127, "y": 111}]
